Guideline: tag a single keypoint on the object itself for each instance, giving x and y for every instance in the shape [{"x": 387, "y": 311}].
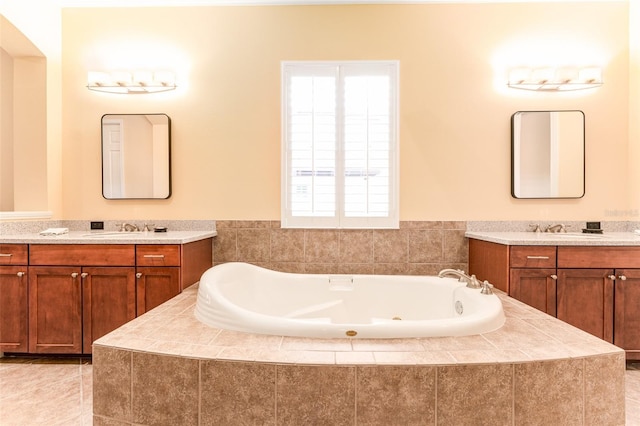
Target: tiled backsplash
[
  {"x": 524, "y": 226},
  {"x": 25, "y": 226},
  {"x": 417, "y": 248}
]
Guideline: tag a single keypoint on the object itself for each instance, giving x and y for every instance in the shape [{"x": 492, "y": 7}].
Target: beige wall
[
  {"x": 634, "y": 107},
  {"x": 6, "y": 131},
  {"x": 455, "y": 109},
  {"x": 43, "y": 30},
  {"x": 23, "y": 156}
]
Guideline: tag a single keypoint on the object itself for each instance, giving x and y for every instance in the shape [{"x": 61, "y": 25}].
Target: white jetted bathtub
[{"x": 245, "y": 297}]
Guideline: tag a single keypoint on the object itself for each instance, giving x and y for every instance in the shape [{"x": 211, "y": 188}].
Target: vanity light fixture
[
  {"x": 131, "y": 82},
  {"x": 555, "y": 79}
]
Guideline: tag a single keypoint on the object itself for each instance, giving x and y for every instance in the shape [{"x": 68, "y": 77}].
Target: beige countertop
[
  {"x": 559, "y": 239},
  {"x": 102, "y": 237}
]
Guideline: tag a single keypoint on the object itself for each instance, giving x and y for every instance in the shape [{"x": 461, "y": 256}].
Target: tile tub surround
[
  {"x": 166, "y": 367},
  {"x": 418, "y": 247}
]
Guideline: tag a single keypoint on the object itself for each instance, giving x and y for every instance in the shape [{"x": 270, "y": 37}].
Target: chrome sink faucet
[
  {"x": 127, "y": 227},
  {"x": 556, "y": 228}
]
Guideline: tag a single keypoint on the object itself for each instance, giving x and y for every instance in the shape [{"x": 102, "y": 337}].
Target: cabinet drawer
[
  {"x": 533, "y": 257},
  {"x": 13, "y": 254},
  {"x": 82, "y": 254},
  {"x": 598, "y": 257},
  {"x": 157, "y": 255}
]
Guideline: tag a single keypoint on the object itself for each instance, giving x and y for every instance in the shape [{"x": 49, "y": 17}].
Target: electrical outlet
[
  {"x": 97, "y": 225},
  {"x": 593, "y": 225}
]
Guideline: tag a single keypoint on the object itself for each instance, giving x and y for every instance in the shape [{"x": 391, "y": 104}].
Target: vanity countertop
[
  {"x": 101, "y": 237},
  {"x": 559, "y": 239}
]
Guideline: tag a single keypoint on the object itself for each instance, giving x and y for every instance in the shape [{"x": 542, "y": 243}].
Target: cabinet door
[
  {"x": 535, "y": 287},
  {"x": 155, "y": 286},
  {"x": 585, "y": 300},
  {"x": 109, "y": 301},
  {"x": 55, "y": 310},
  {"x": 627, "y": 312},
  {"x": 13, "y": 309}
]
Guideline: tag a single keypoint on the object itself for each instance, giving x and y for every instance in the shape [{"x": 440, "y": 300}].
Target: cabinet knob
[
  {"x": 554, "y": 277},
  {"x": 84, "y": 275},
  {"x": 622, "y": 277},
  {"x": 139, "y": 275},
  {"x": 611, "y": 277},
  {"x": 20, "y": 274}
]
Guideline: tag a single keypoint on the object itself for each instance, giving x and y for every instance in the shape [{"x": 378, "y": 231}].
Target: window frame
[{"x": 339, "y": 220}]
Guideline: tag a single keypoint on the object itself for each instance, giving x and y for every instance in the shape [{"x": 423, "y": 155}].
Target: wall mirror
[
  {"x": 136, "y": 156},
  {"x": 547, "y": 154}
]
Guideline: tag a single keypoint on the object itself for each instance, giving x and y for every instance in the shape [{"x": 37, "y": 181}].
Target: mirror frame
[
  {"x": 515, "y": 140},
  {"x": 102, "y": 156}
]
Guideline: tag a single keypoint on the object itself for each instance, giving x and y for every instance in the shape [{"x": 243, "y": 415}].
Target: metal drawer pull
[
  {"x": 155, "y": 256},
  {"x": 554, "y": 277},
  {"x": 6, "y": 254},
  {"x": 537, "y": 257}
]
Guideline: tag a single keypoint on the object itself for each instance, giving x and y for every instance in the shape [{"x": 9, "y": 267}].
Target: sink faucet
[
  {"x": 127, "y": 227},
  {"x": 472, "y": 281},
  {"x": 556, "y": 228}
]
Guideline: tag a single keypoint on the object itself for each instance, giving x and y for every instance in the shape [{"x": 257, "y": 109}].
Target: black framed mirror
[
  {"x": 136, "y": 156},
  {"x": 548, "y": 154}
]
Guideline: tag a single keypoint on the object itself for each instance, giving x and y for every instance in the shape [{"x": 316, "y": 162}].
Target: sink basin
[{"x": 114, "y": 234}]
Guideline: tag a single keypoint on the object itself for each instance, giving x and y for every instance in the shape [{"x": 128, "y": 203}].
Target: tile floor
[{"x": 58, "y": 391}]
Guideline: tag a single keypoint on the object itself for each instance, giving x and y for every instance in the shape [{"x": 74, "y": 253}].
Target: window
[{"x": 340, "y": 147}]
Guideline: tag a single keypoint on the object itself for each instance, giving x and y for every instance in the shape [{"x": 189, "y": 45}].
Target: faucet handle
[
  {"x": 486, "y": 288},
  {"x": 473, "y": 282}
]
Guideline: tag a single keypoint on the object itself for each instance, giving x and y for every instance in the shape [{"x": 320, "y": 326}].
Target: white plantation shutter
[{"x": 339, "y": 145}]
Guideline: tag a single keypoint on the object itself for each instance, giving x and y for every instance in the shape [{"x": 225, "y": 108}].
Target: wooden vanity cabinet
[
  {"x": 60, "y": 298},
  {"x": 594, "y": 283},
  {"x": 627, "y": 312},
  {"x": 490, "y": 261},
  {"x": 14, "y": 314},
  {"x": 585, "y": 300},
  {"x": 108, "y": 301},
  {"x": 597, "y": 287},
  {"x": 532, "y": 276},
  {"x": 157, "y": 275},
  {"x": 526, "y": 273},
  {"x": 72, "y": 305},
  {"x": 55, "y": 310},
  {"x": 164, "y": 270}
]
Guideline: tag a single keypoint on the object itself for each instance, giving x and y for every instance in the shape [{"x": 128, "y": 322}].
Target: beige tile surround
[
  {"x": 417, "y": 248},
  {"x": 166, "y": 367}
]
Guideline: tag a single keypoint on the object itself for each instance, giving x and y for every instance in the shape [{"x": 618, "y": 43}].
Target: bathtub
[{"x": 244, "y": 297}]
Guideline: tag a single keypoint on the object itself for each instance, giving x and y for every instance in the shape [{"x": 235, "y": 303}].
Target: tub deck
[{"x": 166, "y": 367}]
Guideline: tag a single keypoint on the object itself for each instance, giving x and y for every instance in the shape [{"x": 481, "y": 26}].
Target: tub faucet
[
  {"x": 472, "y": 281},
  {"x": 486, "y": 288}
]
